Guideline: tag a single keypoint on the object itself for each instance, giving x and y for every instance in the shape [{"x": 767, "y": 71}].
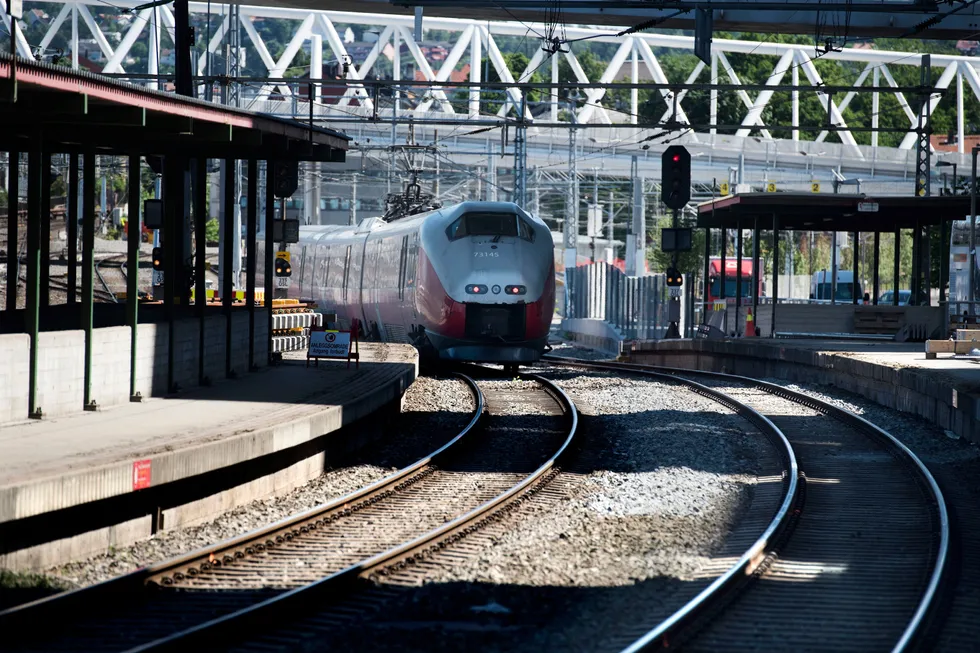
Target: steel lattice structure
[{"x": 596, "y": 123}]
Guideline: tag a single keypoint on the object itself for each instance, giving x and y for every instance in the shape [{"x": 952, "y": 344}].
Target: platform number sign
[
  {"x": 815, "y": 186},
  {"x": 723, "y": 188},
  {"x": 770, "y": 187}
]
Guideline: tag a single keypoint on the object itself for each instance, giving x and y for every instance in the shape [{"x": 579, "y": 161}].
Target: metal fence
[{"x": 635, "y": 306}]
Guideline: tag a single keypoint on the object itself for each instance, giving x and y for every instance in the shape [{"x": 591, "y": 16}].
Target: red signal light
[{"x": 677, "y": 157}]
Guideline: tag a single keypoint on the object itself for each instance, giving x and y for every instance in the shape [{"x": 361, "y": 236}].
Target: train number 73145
[{"x": 482, "y": 254}]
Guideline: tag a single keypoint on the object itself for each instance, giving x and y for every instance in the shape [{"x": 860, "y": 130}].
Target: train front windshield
[{"x": 490, "y": 224}]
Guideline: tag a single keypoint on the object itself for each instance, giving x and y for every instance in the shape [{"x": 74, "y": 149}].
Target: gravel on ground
[
  {"x": 568, "y": 349},
  {"x": 635, "y": 531},
  {"x": 434, "y": 410}
]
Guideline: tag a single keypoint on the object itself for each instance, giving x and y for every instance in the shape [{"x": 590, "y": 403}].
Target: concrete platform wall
[
  {"x": 61, "y": 372},
  {"x": 15, "y": 357},
  {"x": 61, "y": 363},
  {"x": 111, "y": 349},
  {"x": 907, "y": 389}
]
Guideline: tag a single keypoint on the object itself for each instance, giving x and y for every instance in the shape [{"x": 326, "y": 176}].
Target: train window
[
  {"x": 490, "y": 224},
  {"x": 403, "y": 259},
  {"x": 346, "y": 271},
  {"x": 525, "y": 230},
  {"x": 483, "y": 224}
]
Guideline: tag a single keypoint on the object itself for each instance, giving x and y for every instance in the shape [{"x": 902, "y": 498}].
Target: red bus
[{"x": 731, "y": 264}]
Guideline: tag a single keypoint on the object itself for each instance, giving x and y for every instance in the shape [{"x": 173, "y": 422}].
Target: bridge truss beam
[{"x": 635, "y": 60}]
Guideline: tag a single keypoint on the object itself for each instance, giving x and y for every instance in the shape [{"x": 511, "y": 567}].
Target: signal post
[
  {"x": 284, "y": 232},
  {"x": 676, "y": 193}
]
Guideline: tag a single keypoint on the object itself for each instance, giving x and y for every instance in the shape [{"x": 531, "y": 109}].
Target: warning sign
[
  {"x": 329, "y": 344},
  {"x": 141, "y": 474}
]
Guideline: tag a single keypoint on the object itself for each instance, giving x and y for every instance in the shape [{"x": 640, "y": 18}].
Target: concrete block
[
  {"x": 15, "y": 356},
  {"x": 239, "y": 341},
  {"x": 151, "y": 359},
  {"x": 214, "y": 347},
  {"x": 111, "y": 349},
  {"x": 61, "y": 372},
  {"x": 77, "y": 547},
  {"x": 187, "y": 334}
]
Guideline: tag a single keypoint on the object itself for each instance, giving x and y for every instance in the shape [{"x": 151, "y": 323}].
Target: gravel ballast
[
  {"x": 434, "y": 410},
  {"x": 623, "y": 537}
]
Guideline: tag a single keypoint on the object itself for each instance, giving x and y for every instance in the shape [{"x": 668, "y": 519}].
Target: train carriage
[{"x": 469, "y": 282}]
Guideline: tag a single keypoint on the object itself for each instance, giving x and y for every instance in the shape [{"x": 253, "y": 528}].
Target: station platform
[
  {"x": 945, "y": 391},
  {"x": 55, "y": 464}
]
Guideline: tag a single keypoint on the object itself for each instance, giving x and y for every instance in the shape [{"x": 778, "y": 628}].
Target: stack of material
[
  {"x": 291, "y": 322},
  {"x": 967, "y": 343}
]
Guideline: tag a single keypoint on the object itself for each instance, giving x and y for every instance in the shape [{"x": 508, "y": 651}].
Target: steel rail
[
  {"x": 211, "y": 632},
  {"x": 98, "y": 273},
  {"x": 942, "y": 555},
  {"x": 18, "y": 617},
  {"x": 755, "y": 554}
]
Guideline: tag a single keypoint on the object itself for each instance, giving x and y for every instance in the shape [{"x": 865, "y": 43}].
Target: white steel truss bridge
[{"x": 611, "y": 137}]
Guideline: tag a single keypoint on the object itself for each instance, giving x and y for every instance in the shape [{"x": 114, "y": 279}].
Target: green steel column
[
  {"x": 200, "y": 238},
  {"x": 72, "y": 200},
  {"x": 88, "y": 268},
  {"x": 133, "y": 234},
  {"x": 756, "y": 272},
  {"x": 13, "y": 222},
  {"x": 45, "y": 286},
  {"x": 775, "y": 274},
  {"x": 270, "y": 249},
  {"x": 877, "y": 264},
  {"x": 897, "y": 266},
  {"x": 943, "y": 261},
  {"x": 227, "y": 264},
  {"x": 33, "y": 265},
  {"x": 856, "y": 256},
  {"x": 253, "y": 200},
  {"x": 706, "y": 272},
  {"x": 170, "y": 262}
]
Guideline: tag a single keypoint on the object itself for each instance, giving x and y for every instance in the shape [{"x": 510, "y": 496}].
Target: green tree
[{"x": 211, "y": 231}]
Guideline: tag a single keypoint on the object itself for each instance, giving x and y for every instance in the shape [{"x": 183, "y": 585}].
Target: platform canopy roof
[
  {"x": 830, "y": 212},
  {"x": 72, "y": 110}
]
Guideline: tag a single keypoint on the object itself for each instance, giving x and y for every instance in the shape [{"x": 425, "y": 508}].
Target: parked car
[{"x": 886, "y": 297}]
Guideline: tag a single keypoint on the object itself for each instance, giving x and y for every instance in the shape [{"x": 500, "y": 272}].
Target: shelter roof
[
  {"x": 830, "y": 212},
  {"x": 75, "y": 109}
]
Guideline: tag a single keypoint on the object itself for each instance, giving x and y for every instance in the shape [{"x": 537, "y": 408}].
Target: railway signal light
[
  {"x": 283, "y": 269},
  {"x": 674, "y": 277},
  {"x": 158, "y": 259},
  {"x": 676, "y": 177},
  {"x": 286, "y": 178}
]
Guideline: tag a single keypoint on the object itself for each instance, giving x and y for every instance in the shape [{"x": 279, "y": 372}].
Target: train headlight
[
  {"x": 515, "y": 290},
  {"x": 476, "y": 289}
]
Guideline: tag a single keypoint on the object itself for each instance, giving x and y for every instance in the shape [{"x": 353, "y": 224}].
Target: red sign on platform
[{"x": 141, "y": 474}]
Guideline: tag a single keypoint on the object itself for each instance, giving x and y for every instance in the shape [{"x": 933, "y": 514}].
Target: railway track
[
  {"x": 104, "y": 294},
  {"x": 251, "y": 585},
  {"x": 853, "y": 561}
]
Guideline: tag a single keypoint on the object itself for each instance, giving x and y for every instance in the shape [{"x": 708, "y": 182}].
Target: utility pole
[
  {"x": 570, "y": 226},
  {"x": 520, "y": 156}
]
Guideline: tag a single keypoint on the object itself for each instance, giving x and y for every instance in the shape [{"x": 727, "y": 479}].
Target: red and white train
[{"x": 470, "y": 282}]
